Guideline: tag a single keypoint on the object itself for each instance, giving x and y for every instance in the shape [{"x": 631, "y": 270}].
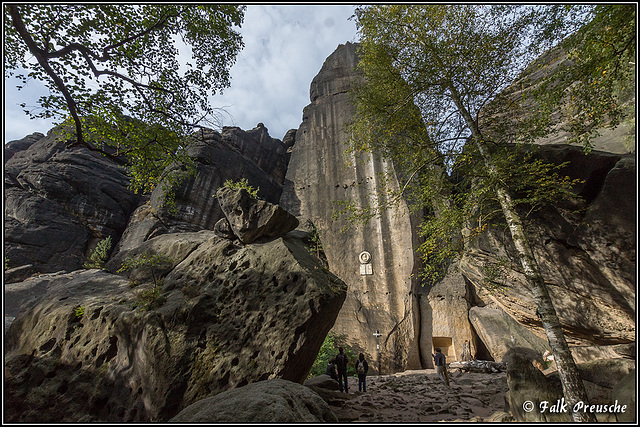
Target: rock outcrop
[
  {"x": 500, "y": 333},
  {"x": 586, "y": 255},
  {"x": 528, "y": 388},
  {"x": 219, "y": 315},
  {"x": 12, "y": 147},
  {"x": 586, "y": 249},
  {"x": 233, "y": 154},
  {"x": 445, "y": 321},
  {"x": 315, "y": 180},
  {"x": 250, "y": 219},
  {"x": 603, "y": 379},
  {"x": 59, "y": 203},
  {"x": 272, "y": 401},
  {"x": 236, "y": 297}
]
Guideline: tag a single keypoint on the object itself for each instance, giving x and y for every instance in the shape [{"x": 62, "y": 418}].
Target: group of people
[{"x": 337, "y": 369}]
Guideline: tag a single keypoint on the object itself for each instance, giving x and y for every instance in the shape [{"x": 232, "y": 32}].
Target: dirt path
[{"x": 420, "y": 396}]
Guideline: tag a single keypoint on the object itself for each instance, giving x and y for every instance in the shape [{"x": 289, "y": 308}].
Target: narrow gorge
[{"x": 237, "y": 295}]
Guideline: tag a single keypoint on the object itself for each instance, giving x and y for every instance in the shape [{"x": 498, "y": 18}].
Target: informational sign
[
  {"x": 365, "y": 257},
  {"x": 366, "y": 269}
]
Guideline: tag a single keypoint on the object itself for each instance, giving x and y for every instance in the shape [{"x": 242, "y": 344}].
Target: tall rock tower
[{"x": 377, "y": 260}]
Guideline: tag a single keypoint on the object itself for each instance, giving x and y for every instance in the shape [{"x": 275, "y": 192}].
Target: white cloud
[{"x": 285, "y": 47}]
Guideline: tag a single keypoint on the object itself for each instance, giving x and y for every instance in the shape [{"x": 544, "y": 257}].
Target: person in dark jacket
[
  {"x": 362, "y": 367},
  {"x": 440, "y": 361},
  {"x": 341, "y": 364},
  {"x": 331, "y": 369}
]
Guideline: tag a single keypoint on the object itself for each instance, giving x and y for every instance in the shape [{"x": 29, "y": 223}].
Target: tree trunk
[{"x": 572, "y": 385}]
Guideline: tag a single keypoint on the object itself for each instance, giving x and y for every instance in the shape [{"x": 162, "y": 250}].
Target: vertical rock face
[
  {"x": 444, "y": 320},
  {"x": 319, "y": 174},
  {"x": 59, "y": 203}
]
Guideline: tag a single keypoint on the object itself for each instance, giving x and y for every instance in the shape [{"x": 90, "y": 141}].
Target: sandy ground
[{"x": 420, "y": 396}]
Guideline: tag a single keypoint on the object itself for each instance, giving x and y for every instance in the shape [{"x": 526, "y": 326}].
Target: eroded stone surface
[
  {"x": 250, "y": 219},
  {"x": 319, "y": 174},
  {"x": 59, "y": 203},
  {"x": 268, "y": 401},
  {"x": 224, "y": 317}
]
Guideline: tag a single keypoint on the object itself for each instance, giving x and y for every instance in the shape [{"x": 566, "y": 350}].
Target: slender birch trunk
[{"x": 572, "y": 385}]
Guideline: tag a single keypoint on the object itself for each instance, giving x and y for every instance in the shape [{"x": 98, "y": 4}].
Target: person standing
[
  {"x": 341, "y": 364},
  {"x": 362, "y": 367},
  {"x": 440, "y": 361}
]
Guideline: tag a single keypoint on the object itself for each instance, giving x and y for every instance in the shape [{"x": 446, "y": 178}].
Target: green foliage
[
  {"x": 595, "y": 85},
  {"x": 78, "y": 312},
  {"x": 114, "y": 78},
  {"x": 459, "y": 65},
  {"x": 99, "y": 255},
  {"x": 6, "y": 263},
  {"x": 432, "y": 76},
  {"x": 328, "y": 351},
  {"x": 316, "y": 247},
  {"x": 149, "y": 260},
  {"x": 241, "y": 184},
  {"x": 149, "y": 299}
]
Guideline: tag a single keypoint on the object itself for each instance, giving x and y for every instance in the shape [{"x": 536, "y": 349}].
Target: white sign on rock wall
[{"x": 366, "y": 269}]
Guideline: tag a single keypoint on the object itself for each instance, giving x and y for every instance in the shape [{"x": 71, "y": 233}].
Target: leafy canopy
[
  {"x": 596, "y": 81},
  {"x": 430, "y": 74},
  {"x": 115, "y": 74}
]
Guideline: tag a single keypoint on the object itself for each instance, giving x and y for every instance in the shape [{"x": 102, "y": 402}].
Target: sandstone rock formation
[
  {"x": 501, "y": 333},
  {"x": 445, "y": 320},
  {"x": 250, "y": 219},
  {"x": 239, "y": 301},
  {"x": 272, "y": 401},
  {"x": 587, "y": 256},
  {"x": 224, "y": 315},
  {"x": 12, "y": 147},
  {"x": 625, "y": 392},
  {"x": 602, "y": 379},
  {"x": 316, "y": 178},
  {"x": 59, "y": 203},
  {"x": 528, "y": 388},
  {"x": 231, "y": 155}
]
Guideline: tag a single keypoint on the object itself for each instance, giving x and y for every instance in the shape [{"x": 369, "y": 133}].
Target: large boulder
[
  {"x": 500, "y": 333},
  {"x": 624, "y": 392},
  {"x": 167, "y": 250},
  {"x": 59, "y": 203},
  {"x": 529, "y": 388},
  {"x": 272, "y": 401},
  {"x": 328, "y": 389},
  {"x": 95, "y": 348},
  {"x": 250, "y": 219},
  {"x": 603, "y": 382}
]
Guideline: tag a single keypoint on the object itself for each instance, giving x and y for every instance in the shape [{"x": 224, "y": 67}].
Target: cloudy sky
[{"x": 285, "y": 47}]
